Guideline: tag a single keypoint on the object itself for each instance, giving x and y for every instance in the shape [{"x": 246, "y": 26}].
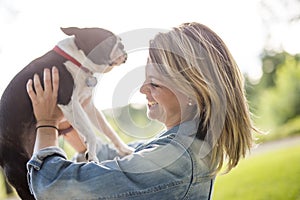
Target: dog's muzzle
[{"x": 119, "y": 60}]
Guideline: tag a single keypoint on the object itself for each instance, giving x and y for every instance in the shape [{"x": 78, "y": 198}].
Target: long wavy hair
[{"x": 200, "y": 65}]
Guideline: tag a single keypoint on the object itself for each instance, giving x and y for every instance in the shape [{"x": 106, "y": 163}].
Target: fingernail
[{"x": 28, "y": 85}]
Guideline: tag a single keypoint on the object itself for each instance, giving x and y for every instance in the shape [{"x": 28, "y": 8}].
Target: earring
[{"x": 190, "y": 102}]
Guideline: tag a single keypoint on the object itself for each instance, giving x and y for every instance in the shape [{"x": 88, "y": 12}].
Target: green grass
[
  {"x": 2, "y": 188},
  {"x": 270, "y": 176}
]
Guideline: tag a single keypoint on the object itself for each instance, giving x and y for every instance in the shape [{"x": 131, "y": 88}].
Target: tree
[{"x": 276, "y": 97}]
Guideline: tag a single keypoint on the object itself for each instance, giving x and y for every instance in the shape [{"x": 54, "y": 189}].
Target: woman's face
[{"x": 163, "y": 101}]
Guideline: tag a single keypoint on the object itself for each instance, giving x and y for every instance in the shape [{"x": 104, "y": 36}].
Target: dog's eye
[{"x": 112, "y": 63}]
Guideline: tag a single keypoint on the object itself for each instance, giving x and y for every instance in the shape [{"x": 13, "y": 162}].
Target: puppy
[{"x": 78, "y": 57}]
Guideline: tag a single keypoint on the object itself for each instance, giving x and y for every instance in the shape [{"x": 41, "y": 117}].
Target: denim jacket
[{"x": 174, "y": 165}]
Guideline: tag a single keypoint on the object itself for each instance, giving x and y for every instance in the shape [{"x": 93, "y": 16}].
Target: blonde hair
[{"x": 201, "y": 67}]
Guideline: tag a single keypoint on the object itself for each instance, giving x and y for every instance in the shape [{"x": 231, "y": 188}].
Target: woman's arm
[
  {"x": 73, "y": 138},
  {"x": 48, "y": 116},
  {"x": 46, "y": 111}
]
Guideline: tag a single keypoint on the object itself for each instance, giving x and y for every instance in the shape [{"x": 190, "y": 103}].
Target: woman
[{"x": 194, "y": 87}]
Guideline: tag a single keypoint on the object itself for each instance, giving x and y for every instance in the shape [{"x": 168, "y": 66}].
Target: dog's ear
[{"x": 70, "y": 30}]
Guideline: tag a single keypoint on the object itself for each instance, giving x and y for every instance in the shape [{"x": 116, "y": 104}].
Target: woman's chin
[
  {"x": 151, "y": 116},
  {"x": 155, "y": 116}
]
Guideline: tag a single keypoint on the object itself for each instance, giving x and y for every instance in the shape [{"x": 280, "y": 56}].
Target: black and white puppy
[{"x": 78, "y": 57}]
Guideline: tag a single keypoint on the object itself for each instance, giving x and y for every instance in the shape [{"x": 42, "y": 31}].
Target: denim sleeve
[
  {"x": 155, "y": 172},
  {"x": 106, "y": 151}
]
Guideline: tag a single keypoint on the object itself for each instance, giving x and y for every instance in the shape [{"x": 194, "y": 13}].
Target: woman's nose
[{"x": 143, "y": 88}]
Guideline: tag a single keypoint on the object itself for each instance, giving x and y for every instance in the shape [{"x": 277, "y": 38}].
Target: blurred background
[{"x": 263, "y": 36}]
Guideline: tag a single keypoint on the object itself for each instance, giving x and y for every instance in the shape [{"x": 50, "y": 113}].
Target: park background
[{"x": 263, "y": 36}]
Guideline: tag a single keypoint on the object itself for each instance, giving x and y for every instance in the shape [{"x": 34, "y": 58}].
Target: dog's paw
[
  {"x": 125, "y": 150},
  {"x": 91, "y": 157},
  {"x": 80, "y": 157}
]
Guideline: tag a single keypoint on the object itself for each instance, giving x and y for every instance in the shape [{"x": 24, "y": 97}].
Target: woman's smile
[
  {"x": 163, "y": 102},
  {"x": 152, "y": 104}
]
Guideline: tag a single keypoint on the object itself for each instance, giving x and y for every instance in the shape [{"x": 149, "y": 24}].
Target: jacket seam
[
  {"x": 192, "y": 171},
  {"x": 194, "y": 178},
  {"x": 147, "y": 191},
  {"x": 159, "y": 187}
]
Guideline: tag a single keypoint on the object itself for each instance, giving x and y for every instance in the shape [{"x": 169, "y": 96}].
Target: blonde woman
[{"x": 194, "y": 87}]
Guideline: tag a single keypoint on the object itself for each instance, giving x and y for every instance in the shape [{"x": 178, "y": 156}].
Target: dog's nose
[
  {"x": 121, "y": 59},
  {"x": 125, "y": 57}
]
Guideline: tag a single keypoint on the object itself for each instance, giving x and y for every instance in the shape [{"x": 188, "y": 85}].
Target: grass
[
  {"x": 270, "y": 176},
  {"x": 2, "y": 188}
]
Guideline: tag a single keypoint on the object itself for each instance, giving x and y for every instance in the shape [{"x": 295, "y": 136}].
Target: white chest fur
[
  {"x": 81, "y": 112},
  {"x": 75, "y": 113},
  {"x": 81, "y": 90}
]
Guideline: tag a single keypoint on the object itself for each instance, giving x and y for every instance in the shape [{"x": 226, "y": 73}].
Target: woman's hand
[{"x": 44, "y": 101}]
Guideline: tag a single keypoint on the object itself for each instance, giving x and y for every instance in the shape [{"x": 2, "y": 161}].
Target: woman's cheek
[{"x": 155, "y": 94}]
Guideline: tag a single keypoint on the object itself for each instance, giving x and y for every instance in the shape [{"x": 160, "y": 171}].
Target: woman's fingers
[
  {"x": 44, "y": 99},
  {"x": 47, "y": 82},
  {"x": 50, "y": 86},
  {"x": 37, "y": 85},
  {"x": 30, "y": 91},
  {"x": 55, "y": 81}
]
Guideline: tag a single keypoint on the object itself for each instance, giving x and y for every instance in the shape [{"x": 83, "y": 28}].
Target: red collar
[{"x": 70, "y": 58}]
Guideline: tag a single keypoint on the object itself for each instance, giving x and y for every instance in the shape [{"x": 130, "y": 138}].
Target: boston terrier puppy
[{"x": 78, "y": 57}]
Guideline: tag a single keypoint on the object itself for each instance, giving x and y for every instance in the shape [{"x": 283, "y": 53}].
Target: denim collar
[{"x": 187, "y": 128}]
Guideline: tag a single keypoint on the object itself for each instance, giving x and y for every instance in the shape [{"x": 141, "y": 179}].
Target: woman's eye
[{"x": 154, "y": 85}]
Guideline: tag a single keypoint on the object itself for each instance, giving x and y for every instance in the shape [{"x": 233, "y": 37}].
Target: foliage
[
  {"x": 132, "y": 123},
  {"x": 290, "y": 128},
  {"x": 275, "y": 99},
  {"x": 274, "y": 175}
]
